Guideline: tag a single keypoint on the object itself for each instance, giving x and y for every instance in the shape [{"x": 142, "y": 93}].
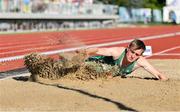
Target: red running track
[{"x": 22, "y": 44}]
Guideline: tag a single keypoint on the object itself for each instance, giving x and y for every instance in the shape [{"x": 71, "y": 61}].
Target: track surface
[{"x": 165, "y": 42}]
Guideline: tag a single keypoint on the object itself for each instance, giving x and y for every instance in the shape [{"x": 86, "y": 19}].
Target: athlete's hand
[
  {"x": 162, "y": 77},
  {"x": 83, "y": 53}
]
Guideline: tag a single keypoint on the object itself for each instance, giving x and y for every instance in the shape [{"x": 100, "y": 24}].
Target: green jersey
[{"x": 123, "y": 70}]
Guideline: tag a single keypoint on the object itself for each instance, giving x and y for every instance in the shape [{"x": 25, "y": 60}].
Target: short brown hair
[{"x": 137, "y": 44}]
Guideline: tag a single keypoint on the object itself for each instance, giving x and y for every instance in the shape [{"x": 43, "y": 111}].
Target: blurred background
[{"x": 44, "y": 15}]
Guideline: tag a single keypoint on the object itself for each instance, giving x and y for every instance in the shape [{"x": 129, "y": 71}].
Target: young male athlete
[{"x": 128, "y": 59}]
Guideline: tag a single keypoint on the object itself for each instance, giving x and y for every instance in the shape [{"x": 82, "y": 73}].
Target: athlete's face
[{"x": 133, "y": 54}]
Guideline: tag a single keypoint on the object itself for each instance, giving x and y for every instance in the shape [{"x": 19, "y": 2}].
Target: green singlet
[{"x": 109, "y": 60}]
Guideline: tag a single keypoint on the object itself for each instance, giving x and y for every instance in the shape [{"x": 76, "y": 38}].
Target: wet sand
[{"x": 140, "y": 93}]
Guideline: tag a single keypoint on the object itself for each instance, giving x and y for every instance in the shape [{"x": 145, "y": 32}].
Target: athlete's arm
[
  {"x": 147, "y": 66},
  {"x": 113, "y": 51}
]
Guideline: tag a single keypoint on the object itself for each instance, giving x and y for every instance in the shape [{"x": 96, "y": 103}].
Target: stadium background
[{"x": 40, "y": 15}]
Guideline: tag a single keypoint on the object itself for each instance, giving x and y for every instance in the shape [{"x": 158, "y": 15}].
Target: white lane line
[
  {"x": 163, "y": 52},
  {"x": 28, "y": 49},
  {"x": 172, "y": 35},
  {"x": 169, "y": 54},
  {"x": 9, "y": 76}
]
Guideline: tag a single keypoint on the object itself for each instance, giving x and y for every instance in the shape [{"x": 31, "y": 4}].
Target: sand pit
[{"x": 139, "y": 93}]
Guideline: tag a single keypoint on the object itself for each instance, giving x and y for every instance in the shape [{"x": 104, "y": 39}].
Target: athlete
[{"x": 128, "y": 59}]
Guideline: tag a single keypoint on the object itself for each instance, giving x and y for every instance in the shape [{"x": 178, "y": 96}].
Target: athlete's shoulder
[
  {"x": 142, "y": 61},
  {"x": 119, "y": 49}
]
